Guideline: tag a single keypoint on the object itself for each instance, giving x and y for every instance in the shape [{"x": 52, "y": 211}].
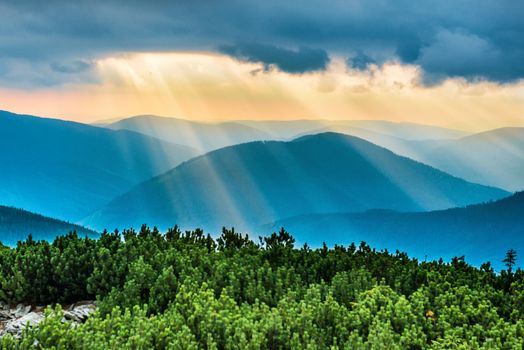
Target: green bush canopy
[{"x": 190, "y": 291}]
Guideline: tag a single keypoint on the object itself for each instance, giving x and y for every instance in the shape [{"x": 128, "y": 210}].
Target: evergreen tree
[
  {"x": 190, "y": 291},
  {"x": 510, "y": 259}
]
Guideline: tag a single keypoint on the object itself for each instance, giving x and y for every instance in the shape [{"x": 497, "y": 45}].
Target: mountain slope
[
  {"x": 253, "y": 183},
  {"x": 482, "y": 232},
  {"x": 494, "y": 158},
  {"x": 414, "y": 149},
  {"x": 201, "y": 136},
  {"x": 17, "y": 224},
  {"x": 401, "y": 130},
  {"x": 209, "y": 136},
  {"x": 67, "y": 170}
]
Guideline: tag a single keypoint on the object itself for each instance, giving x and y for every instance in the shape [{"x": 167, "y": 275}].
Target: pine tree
[{"x": 510, "y": 260}]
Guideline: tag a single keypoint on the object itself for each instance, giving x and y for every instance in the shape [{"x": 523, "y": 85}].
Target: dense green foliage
[{"x": 189, "y": 291}]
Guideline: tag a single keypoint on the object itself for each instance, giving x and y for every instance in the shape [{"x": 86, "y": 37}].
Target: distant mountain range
[
  {"x": 482, "y": 232},
  {"x": 401, "y": 130},
  {"x": 254, "y": 183},
  {"x": 323, "y": 185},
  {"x": 494, "y": 158},
  {"x": 210, "y": 136},
  {"x": 17, "y": 224},
  {"x": 67, "y": 170},
  {"x": 201, "y": 136}
]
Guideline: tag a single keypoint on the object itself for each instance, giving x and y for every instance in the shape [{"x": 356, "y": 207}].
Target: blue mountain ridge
[
  {"x": 254, "y": 183},
  {"x": 67, "y": 170},
  {"x": 481, "y": 232}
]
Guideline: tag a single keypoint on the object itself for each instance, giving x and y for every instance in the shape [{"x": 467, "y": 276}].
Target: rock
[
  {"x": 15, "y": 327},
  {"x": 83, "y": 302},
  {"x": 13, "y": 321},
  {"x": 21, "y": 310},
  {"x": 79, "y": 313},
  {"x": 5, "y": 315}
]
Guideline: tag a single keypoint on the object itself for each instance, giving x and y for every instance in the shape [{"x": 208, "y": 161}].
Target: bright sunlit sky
[{"x": 449, "y": 63}]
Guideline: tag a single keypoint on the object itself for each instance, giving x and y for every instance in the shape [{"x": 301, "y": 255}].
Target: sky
[{"x": 449, "y": 63}]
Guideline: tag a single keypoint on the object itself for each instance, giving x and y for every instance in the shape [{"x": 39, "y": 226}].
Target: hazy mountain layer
[
  {"x": 17, "y": 224},
  {"x": 201, "y": 136},
  {"x": 480, "y": 232},
  {"x": 67, "y": 170},
  {"x": 254, "y": 183},
  {"x": 494, "y": 158},
  {"x": 210, "y": 136},
  {"x": 405, "y": 131}
]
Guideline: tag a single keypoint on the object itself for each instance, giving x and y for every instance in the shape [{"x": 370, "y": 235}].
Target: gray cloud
[
  {"x": 459, "y": 54},
  {"x": 301, "y": 61},
  {"x": 76, "y": 66},
  {"x": 360, "y": 61},
  {"x": 449, "y": 38}
]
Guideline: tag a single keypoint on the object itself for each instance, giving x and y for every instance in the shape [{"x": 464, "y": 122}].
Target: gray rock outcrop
[{"x": 14, "y": 320}]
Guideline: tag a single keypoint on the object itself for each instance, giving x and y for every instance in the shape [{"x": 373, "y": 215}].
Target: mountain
[
  {"x": 493, "y": 158},
  {"x": 201, "y": 136},
  {"x": 399, "y": 130},
  {"x": 288, "y": 129},
  {"x": 67, "y": 170},
  {"x": 407, "y": 131},
  {"x": 254, "y": 183},
  {"x": 482, "y": 232},
  {"x": 210, "y": 136},
  {"x": 415, "y": 149},
  {"x": 17, "y": 224}
]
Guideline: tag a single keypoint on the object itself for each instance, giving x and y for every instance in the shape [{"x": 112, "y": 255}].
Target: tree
[
  {"x": 190, "y": 291},
  {"x": 510, "y": 260}
]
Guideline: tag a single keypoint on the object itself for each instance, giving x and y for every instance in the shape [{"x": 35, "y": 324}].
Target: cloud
[
  {"x": 327, "y": 83},
  {"x": 460, "y": 54},
  {"x": 360, "y": 61},
  {"x": 437, "y": 35},
  {"x": 76, "y": 66},
  {"x": 304, "y": 60}
]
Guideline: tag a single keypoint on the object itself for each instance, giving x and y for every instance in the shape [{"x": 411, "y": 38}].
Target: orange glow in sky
[{"x": 212, "y": 87}]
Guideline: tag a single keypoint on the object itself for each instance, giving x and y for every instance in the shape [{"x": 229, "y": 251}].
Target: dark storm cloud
[
  {"x": 447, "y": 38},
  {"x": 301, "y": 61},
  {"x": 360, "y": 61}
]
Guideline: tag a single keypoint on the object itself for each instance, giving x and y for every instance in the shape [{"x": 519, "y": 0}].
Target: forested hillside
[
  {"x": 17, "y": 224},
  {"x": 481, "y": 232},
  {"x": 259, "y": 182},
  {"x": 189, "y": 291},
  {"x": 67, "y": 170}
]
